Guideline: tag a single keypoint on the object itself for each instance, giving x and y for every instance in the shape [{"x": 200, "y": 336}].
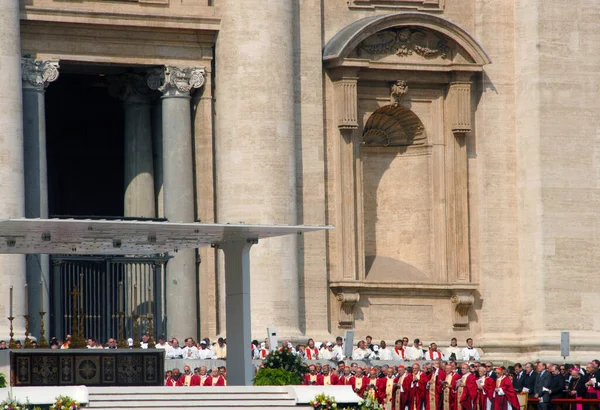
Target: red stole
[
  {"x": 399, "y": 352},
  {"x": 310, "y": 352}
]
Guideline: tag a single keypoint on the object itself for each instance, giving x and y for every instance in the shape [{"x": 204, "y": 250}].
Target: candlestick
[
  {"x": 43, "y": 342},
  {"x": 120, "y": 296},
  {"x": 42, "y": 297},
  {"x": 11, "y": 302},
  {"x": 81, "y": 291},
  {"x": 12, "y": 343},
  {"x": 135, "y": 297},
  {"x": 26, "y": 299},
  {"x": 28, "y": 343}
]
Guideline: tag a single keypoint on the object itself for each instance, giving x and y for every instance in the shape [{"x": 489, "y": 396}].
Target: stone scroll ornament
[
  {"x": 39, "y": 73},
  {"x": 347, "y": 303},
  {"x": 405, "y": 42},
  {"x": 176, "y": 80}
]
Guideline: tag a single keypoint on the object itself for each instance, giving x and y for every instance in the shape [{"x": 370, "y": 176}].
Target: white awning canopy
[{"x": 115, "y": 237}]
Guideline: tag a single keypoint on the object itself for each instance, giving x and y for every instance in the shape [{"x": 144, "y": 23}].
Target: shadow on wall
[{"x": 386, "y": 269}]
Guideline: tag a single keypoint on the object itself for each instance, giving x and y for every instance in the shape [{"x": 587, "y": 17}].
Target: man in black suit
[
  {"x": 530, "y": 378},
  {"x": 519, "y": 379},
  {"x": 542, "y": 386},
  {"x": 557, "y": 387}
]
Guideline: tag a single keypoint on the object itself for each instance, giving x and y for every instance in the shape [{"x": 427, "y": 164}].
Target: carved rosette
[
  {"x": 347, "y": 303},
  {"x": 461, "y": 303},
  {"x": 38, "y": 73},
  {"x": 176, "y": 81}
]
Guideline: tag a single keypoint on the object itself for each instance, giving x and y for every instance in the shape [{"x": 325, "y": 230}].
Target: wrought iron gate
[{"x": 102, "y": 287}]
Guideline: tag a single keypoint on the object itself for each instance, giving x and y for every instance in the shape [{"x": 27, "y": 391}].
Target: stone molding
[
  {"x": 175, "y": 81},
  {"x": 340, "y": 46},
  {"x": 421, "y": 5},
  {"x": 38, "y": 73},
  {"x": 348, "y": 301},
  {"x": 462, "y": 302}
]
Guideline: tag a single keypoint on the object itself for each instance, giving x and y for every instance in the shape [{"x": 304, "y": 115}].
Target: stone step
[
  {"x": 187, "y": 390},
  {"x": 166, "y": 403},
  {"x": 219, "y": 406},
  {"x": 188, "y": 396}
]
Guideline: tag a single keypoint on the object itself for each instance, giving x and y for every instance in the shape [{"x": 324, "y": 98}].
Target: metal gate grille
[{"x": 107, "y": 286}]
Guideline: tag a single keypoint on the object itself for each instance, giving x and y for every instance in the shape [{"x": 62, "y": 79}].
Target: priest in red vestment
[
  {"x": 215, "y": 379},
  {"x": 361, "y": 381},
  {"x": 329, "y": 377},
  {"x": 417, "y": 388},
  {"x": 402, "y": 389},
  {"x": 173, "y": 379},
  {"x": 449, "y": 388},
  {"x": 434, "y": 387},
  {"x": 486, "y": 386},
  {"x": 346, "y": 379},
  {"x": 385, "y": 388},
  {"x": 466, "y": 389},
  {"x": 505, "y": 398},
  {"x": 313, "y": 378},
  {"x": 188, "y": 378}
]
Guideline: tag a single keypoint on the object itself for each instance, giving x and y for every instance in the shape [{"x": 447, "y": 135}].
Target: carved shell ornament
[
  {"x": 391, "y": 126},
  {"x": 405, "y": 42}
]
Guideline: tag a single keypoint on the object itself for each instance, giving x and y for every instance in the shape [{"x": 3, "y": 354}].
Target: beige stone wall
[
  {"x": 531, "y": 163},
  {"x": 569, "y": 84}
]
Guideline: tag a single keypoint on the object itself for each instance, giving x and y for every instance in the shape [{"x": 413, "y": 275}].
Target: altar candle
[
  {"x": 120, "y": 296},
  {"x": 26, "y": 299},
  {"x": 42, "y": 297},
  {"x": 11, "y": 301},
  {"x": 135, "y": 298}
]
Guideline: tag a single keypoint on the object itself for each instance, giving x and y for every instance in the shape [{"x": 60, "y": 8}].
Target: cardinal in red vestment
[
  {"x": 505, "y": 396},
  {"x": 466, "y": 389}
]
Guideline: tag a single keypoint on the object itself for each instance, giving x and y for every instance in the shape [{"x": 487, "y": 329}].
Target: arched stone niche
[{"x": 401, "y": 87}]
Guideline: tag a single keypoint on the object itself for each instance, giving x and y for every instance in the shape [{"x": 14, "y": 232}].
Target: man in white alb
[{"x": 469, "y": 352}]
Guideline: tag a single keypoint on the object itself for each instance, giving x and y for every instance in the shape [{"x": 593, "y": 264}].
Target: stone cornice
[
  {"x": 401, "y": 288},
  {"x": 74, "y": 15}
]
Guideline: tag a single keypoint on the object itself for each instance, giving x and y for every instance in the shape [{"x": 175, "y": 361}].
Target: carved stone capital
[
  {"x": 38, "y": 73},
  {"x": 459, "y": 98},
  {"x": 129, "y": 86},
  {"x": 176, "y": 81},
  {"x": 461, "y": 301},
  {"x": 347, "y": 303},
  {"x": 346, "y": 101}
]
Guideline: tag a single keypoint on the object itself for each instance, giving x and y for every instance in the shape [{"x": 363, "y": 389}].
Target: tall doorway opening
[{"x": 85, "y": 144}]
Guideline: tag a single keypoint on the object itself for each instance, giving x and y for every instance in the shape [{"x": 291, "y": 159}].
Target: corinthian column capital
[
  {"x": 38, "y": 73},
  {"x": 176, "y": 81}
]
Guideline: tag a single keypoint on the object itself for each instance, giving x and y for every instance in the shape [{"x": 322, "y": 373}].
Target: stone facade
[{"x": 444, "y": 140}]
